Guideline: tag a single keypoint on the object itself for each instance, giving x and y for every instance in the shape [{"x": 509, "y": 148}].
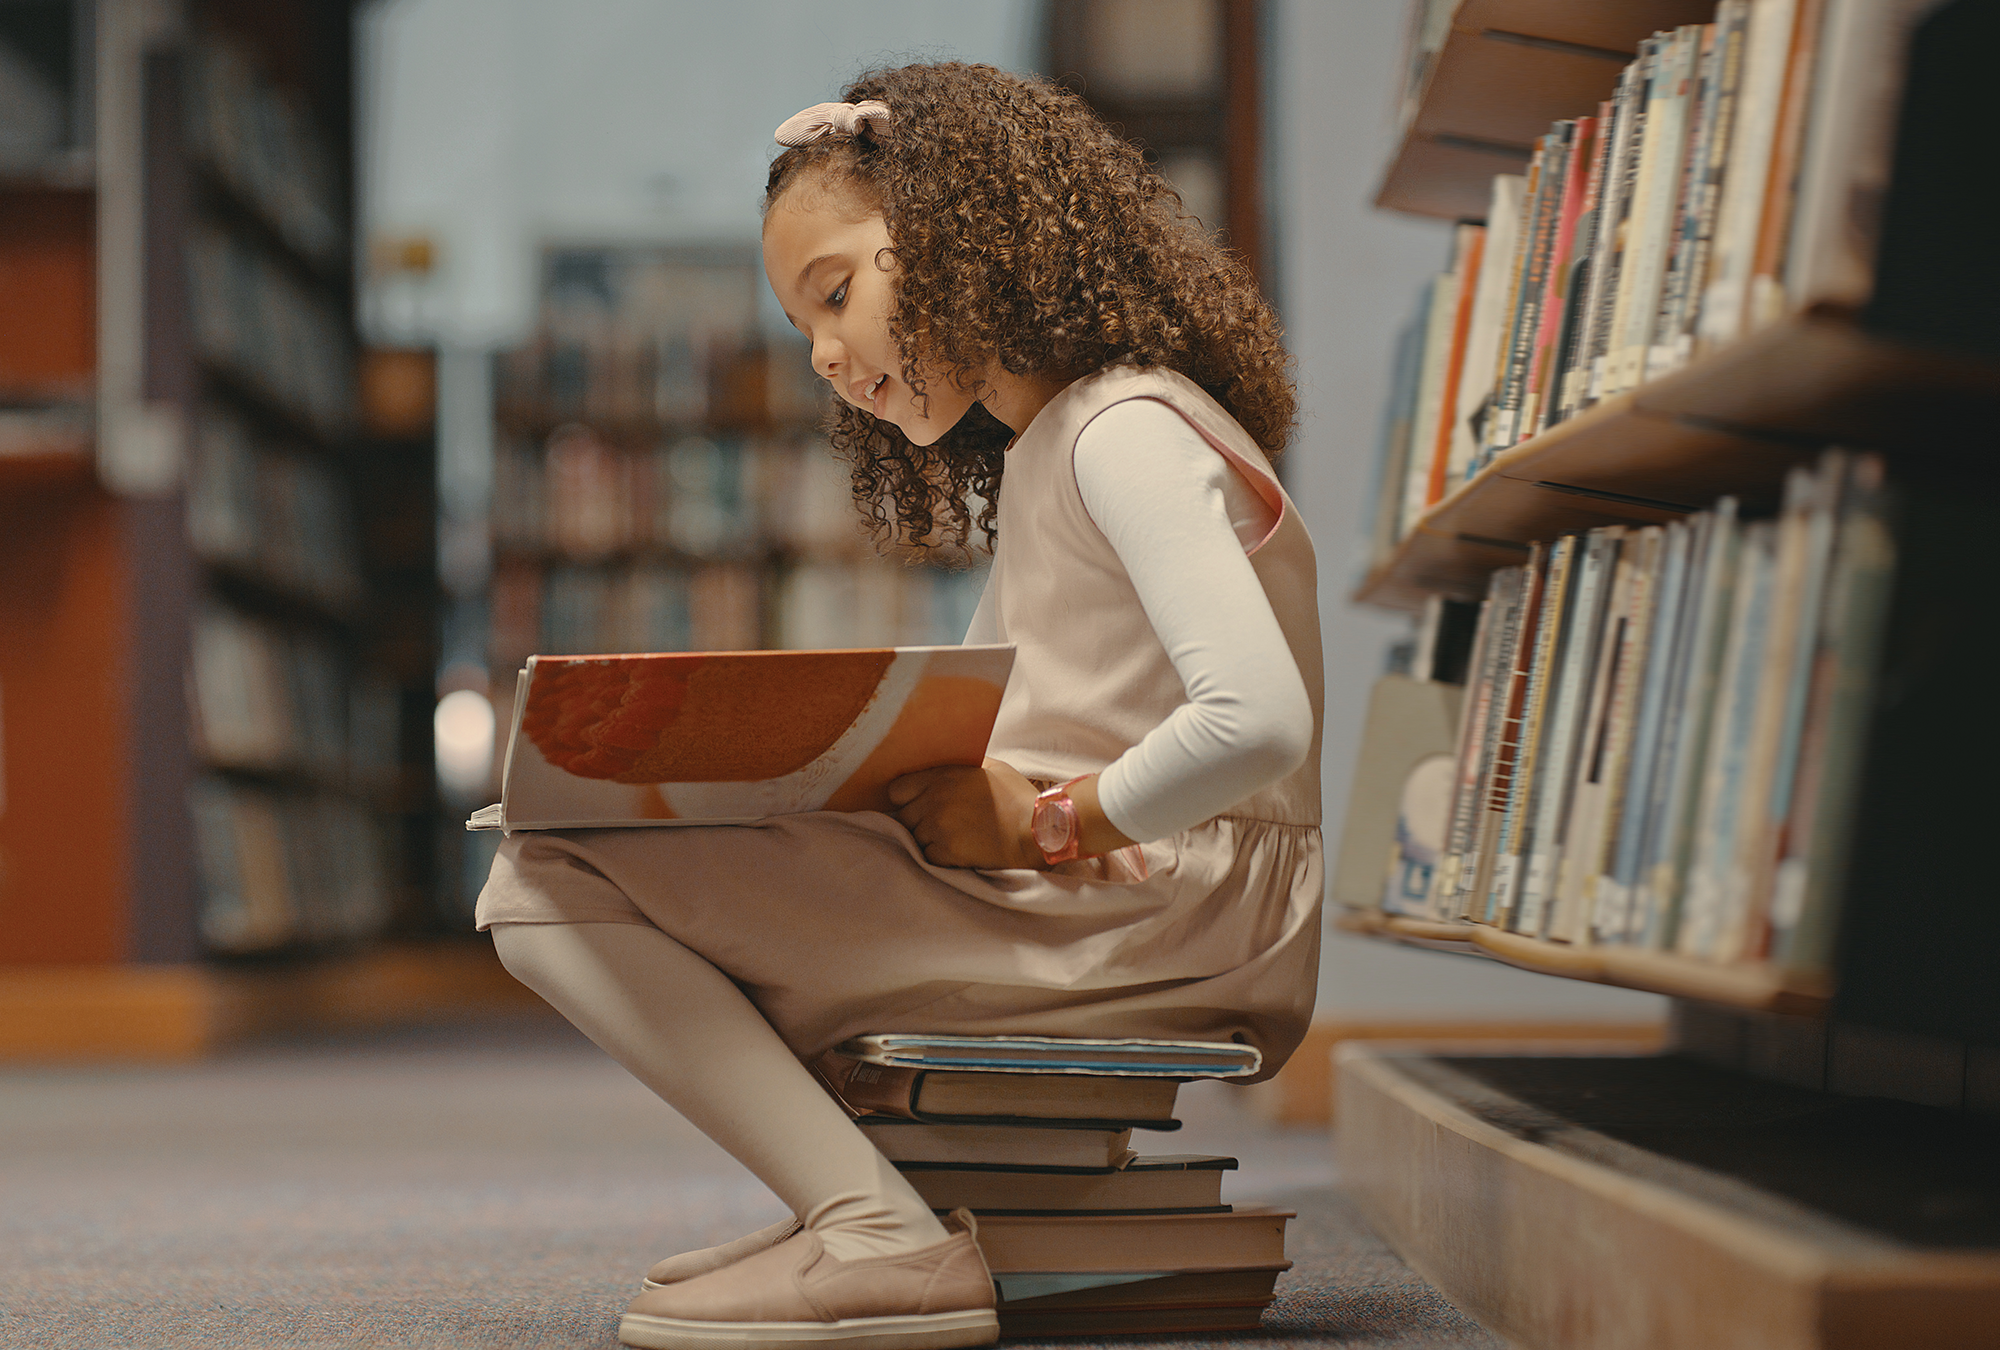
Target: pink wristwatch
[{"x": 1053, "y": 824}]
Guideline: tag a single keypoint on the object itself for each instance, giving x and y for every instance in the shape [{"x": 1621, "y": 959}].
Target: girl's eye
[{"x": 839, "y": 296}]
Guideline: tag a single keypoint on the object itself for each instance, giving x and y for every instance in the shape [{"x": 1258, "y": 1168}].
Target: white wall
[
  {"x": 1347, "y": 278},
  {"x": 493, "y": 125}
]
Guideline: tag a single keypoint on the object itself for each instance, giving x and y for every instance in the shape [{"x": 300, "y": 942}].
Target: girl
[{"x": 1026, "y": 338}]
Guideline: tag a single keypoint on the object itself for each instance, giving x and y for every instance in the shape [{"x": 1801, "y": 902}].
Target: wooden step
[{"x": 1652, "y": 1202}]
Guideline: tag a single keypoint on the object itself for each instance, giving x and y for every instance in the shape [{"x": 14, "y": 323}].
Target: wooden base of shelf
[
  {"x": 1752, "y": 985},
  {"x": 1614, "y": 1205},
  {"x": 64, "y": 1014}
]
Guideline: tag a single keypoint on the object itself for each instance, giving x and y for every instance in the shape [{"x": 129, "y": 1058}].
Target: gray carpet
[{"x": 476, "y": 1191}]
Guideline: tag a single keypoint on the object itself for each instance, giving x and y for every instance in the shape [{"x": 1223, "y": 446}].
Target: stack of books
[{"x": 1084, "y": 1236}]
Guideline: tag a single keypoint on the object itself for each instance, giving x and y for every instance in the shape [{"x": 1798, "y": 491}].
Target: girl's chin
[{"x": 926, "y": 430}]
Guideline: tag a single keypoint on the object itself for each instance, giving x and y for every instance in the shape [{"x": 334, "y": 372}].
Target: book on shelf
[
  {"x": 1735, "y": 173},
  {"x": 1401, "y": 792},
  {"x": 1071, "y": 1147},
  {"x": 1665, "y": 757},
  {"x": 285, "y": 867},
  {"x": 712, "y": 737},
  {"x": 1161, "y": 1184}
]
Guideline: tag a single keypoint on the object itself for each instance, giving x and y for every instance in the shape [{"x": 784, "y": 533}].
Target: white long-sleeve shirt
[{"x": 1181, "y": 520}]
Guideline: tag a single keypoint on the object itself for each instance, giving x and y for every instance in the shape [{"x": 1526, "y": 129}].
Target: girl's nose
[{"x": 826, "y": 357}]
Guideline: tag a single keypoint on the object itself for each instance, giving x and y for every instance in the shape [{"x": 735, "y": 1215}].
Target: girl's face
[{"x": 829, "y": 263}]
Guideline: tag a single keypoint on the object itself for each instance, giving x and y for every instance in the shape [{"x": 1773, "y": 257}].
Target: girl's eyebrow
[{"x": 806, "y": 271}]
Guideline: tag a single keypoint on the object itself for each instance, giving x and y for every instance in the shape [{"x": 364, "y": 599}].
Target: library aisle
[{"x": 477, "y": 1189}]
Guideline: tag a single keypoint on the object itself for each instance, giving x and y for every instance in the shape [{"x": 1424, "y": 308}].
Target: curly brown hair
[{"x": 1026, "y": 232}]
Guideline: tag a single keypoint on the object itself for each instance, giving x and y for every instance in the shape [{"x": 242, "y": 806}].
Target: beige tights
[{"x": 687, "y": 1032}]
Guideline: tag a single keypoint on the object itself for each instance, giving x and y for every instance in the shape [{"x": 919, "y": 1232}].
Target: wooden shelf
[
  {"x": 131, "y": 1012},
  {"x": 1752, "y": 985},
  {"x": 1508, "y": 68},
  {"x": 1578, "y": 1204},
  {"x": 1734, "y": 421}
]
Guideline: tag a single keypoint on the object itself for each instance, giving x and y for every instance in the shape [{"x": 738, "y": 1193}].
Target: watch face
[{"x": 1051, "y": 826}]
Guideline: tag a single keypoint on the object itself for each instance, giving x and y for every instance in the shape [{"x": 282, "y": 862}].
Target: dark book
[
  {"x": 1251, "y": 1237},
  {"x": 1158, "y": 1304},
  {"x": 1177, "y": 1182},
  {"x": 971, "y": 1095}
]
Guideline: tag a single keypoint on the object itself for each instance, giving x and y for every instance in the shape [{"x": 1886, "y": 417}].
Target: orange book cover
[{"x": 692, "y": 738}]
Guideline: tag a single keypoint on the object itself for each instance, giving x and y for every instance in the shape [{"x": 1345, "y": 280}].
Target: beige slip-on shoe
[
  {"x": 687, "y": 1265},
  {"x": 795, "y": 1294}
]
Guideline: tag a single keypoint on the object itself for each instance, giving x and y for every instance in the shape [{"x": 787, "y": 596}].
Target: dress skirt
[{"x": 835, "y": 926}]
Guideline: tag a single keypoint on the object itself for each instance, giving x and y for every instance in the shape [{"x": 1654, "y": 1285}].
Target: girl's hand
[{"x": 967, "y": 817}]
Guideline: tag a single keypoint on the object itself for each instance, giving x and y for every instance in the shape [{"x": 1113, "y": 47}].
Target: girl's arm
[{"x": 1180, "y": 518}]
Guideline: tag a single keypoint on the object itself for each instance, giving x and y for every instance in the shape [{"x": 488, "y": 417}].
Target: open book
[{"x": 707, "y": 738}]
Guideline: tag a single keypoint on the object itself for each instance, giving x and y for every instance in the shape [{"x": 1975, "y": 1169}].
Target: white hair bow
[{"x": 833, "y": 119}]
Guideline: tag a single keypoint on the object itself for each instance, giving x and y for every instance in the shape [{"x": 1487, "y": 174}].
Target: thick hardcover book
[
  {"x": 1155, "y": 1303},
  {"x": 1184, "y": 1183},
  {"x": 981, "y": 1095},
  {"x": 1051, "y": 1146},
  {"x": 1250, "y": 1237},
  {"x": 693, "y": 738}
]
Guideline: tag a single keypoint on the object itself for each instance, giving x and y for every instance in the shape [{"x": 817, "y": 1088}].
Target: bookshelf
[
  {"x": 1891, "y": 1008},
  {"x": 214, "y": 720}
]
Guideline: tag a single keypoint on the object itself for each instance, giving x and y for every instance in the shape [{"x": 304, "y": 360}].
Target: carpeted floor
[{"x": 471, "y": 1191}]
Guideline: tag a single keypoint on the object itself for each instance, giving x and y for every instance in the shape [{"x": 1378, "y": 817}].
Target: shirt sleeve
[{"x": 1180, "y": 518}]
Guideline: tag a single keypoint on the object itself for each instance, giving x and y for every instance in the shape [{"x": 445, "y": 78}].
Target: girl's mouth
[{"x": 876, "y": 391}]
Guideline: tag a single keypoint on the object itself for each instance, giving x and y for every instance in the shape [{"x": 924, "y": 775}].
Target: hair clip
[{"x": 834, "y": 119}]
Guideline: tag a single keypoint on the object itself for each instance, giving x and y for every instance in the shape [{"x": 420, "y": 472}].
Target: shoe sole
[{"x": 919, "y": 1331}]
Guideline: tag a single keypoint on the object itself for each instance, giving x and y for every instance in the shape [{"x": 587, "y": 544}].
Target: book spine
[
  {"x": 1532, "y": 193},
  {"x": 1471, "y": 255},
  {"x": 1582, "y": 635},
  {"x": 1476, "y": 740},
  {"x": 1438, "y": 324},
  {"x": 1612, "y": 232},
  {"x": 1589, "y": 245},
  {"x": 1656, "y": 148},
  {"x": 1767, "y": 267},
  {"x": 1601, "y": 896},
  {"x": 1767, "y": 45},
  {"x": 1729, "y": 731},
  {"x": 1499, "y": 785},
  {"x": 1475, "y": 392},
  {"x": 1527, "y": 318},
  {"x": 1815, "y": 848},
  {"x": 1471, "y": 719},
  {"x": 1541, "y": 383},
  {"x": 1638, "y": 794},
  {"x": 1663, "y": 355},
  {"x": 1516, "y": 828}
]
